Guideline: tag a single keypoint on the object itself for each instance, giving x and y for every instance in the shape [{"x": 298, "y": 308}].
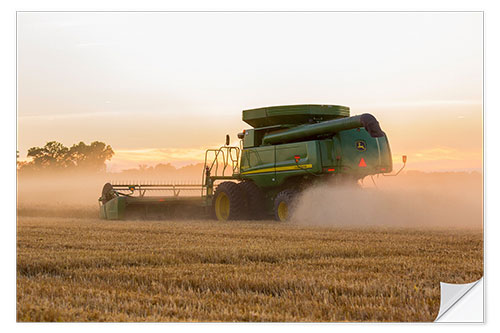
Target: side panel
[
  {"x": 115, "y": 208},
  {"x": 308, "y": 155},
  {"x": 102, "y": 212},
  {"x": 258, "y": 164},
  {"x": 362, "y": 154},
  {"x": 328, "y": 159},
  {"x": 385, "y": 154},
  {"x": 249, "y": 138}
]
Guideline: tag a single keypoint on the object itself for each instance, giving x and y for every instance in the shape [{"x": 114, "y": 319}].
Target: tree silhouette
[
  {"x": 90, "y": 157},
  {"x": 164, "y": 168},
  {"x": 55, "y": 156},
  {"x": 51, "y": 156}
]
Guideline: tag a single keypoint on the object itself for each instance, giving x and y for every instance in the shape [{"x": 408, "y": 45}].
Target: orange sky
[{"x": 162, "y": 87}]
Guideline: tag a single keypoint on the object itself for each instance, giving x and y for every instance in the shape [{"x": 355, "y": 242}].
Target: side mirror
[
  {"x": 227, "y": 140},
  {"x": 404, "y": 159}
]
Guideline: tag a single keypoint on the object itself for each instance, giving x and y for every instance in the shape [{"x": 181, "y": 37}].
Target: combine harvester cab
[{"x": 288, "y": 149}]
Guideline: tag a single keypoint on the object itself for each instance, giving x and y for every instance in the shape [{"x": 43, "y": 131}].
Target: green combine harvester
[{"x": 288, "y": 149}]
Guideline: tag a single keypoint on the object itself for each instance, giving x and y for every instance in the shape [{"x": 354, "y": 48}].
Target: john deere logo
[{"x": 361, "y": 145}]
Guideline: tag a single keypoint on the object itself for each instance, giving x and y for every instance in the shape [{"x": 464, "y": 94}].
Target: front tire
[
  {"x": 255, "y": 200},
  {"x": 228, "y": 202},
  {"x": 284, "y": 205}
]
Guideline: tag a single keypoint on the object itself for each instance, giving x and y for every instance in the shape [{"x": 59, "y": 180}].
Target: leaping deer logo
[{"x": 360, "y": 145}]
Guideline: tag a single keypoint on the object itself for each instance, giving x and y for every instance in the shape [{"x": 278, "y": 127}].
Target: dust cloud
[
  {"x": 413, "y": 199},
  {"x": 72, "y": 188},
  {"x": 76, "y": 194},
  {"x": 63, "y": 190}
]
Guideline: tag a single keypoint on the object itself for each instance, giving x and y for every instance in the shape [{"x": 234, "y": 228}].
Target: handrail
[{"x": 226, "y": 156}]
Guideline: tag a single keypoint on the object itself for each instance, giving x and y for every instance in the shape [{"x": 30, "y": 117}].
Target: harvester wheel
[
  {"x": 254, "y": 199},
  {"x": 283, "y": 205},
  {"x": 229, "y": 202},
  {"x": 107, "y": 193}
]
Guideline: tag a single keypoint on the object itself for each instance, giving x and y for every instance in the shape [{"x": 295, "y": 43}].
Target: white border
[{"x": 8, "y": 133}]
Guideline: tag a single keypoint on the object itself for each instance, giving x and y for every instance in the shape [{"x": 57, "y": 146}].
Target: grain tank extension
[{"x": 288, "y": 149}]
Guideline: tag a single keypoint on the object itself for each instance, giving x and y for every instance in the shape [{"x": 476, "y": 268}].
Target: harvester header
[{"x": 288, "y": 149}]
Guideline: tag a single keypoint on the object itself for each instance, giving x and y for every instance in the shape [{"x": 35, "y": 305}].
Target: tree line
[{"x": 54, "y": 156}]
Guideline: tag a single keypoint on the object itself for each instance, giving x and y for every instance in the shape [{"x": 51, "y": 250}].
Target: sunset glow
[{"x": 163, "y": 87}]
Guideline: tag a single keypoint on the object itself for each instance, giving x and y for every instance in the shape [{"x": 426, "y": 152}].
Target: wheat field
[{"x": 85, "y": 269}]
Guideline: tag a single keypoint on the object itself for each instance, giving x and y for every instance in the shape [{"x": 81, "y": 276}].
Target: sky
[{"x": 162, "y": 87}]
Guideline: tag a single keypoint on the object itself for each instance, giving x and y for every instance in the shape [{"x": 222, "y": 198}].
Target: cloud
[
  {"x": 441, "y": 153},
  {"x": 159, "y": 155},
  {"x": 419, "y": 103},
  {"x": 53, "y": 116}
]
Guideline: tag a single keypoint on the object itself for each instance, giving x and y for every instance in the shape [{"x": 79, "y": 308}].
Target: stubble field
[{"x": 85, "y": 269}]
